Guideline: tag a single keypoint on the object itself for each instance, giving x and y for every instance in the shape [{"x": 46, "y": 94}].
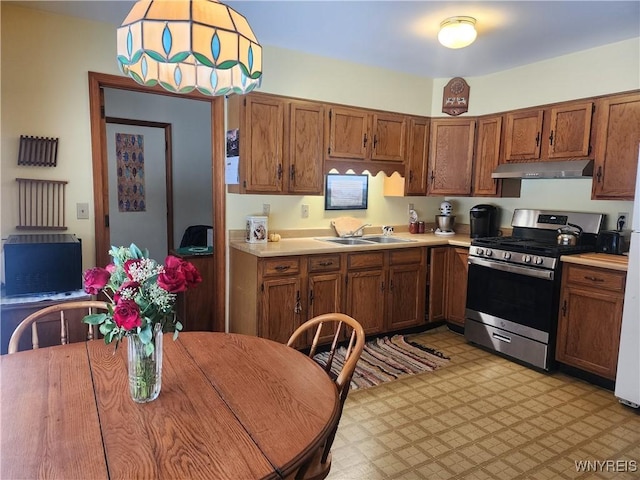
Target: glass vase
[{"x": 145, "y": 371}]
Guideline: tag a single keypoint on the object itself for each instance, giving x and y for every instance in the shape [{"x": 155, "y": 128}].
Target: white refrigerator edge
[{"x": 627, "y": 388}]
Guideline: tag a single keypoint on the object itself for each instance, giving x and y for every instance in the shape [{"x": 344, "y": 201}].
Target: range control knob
[
  {"x": 489, "y": 252},
  {"x": 526, "y": 259},
  {"x": 479, "y": 251},
  {"x": 506, "y": 255},
  {"x": 538, "y": 261}
]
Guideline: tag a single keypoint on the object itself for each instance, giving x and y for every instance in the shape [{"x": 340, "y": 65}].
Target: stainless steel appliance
[
  {"x": 483, "y": 221},
  {"x": 514, "y": 284}
]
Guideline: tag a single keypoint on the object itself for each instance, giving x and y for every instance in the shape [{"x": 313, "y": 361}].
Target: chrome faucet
[{"x": 358, "y": 231}]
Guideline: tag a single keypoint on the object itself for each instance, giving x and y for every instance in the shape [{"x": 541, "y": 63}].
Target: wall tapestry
[{"x": 130, "y": 164}]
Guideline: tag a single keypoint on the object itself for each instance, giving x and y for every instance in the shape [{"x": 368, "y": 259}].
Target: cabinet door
[
  {"x": 523, "y": 132},
  {"x": 389, "y": 137},
  {"x": 263, "y": 141},
  {"x": 570, "y": 131},
  {"x": 451, "y": 157},
  {"x": 365, "y": 299},
  {"x": 325, "y": 296},
  {"x": 457, "y": 284},
  {"x": 618, "y": 136},
  {"x": 281, "y": 308},
  {"x": 405, "y": 296},
  {"x": 348, "y": 133},
  {"x": 418, "y": 149},
  {"x": 589, "y": 330},
  {"x": 487, "y": 157},
  {"x": 437, "y": 283},
  {"x": 306, "y": 145}
]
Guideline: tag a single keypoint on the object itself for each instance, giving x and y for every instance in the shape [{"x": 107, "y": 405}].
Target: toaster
[{"x": 615, "y": 242}]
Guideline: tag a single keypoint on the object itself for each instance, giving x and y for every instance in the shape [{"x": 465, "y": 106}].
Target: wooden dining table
[{"x": 231, "y": 407}]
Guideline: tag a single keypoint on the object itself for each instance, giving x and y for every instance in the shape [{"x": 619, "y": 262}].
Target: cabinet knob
[
  {"x": 279, "y": 171},
  {"x": 538, "y": 139},
  {"x": 599, "y": 174},
  {"x": 292, "y": 172},
  {"x": 564, "y": 308},
  {"x": 551, "y": 138},
  {"x": 375, "y": 141},
  {"x": 364, "y": 141}
]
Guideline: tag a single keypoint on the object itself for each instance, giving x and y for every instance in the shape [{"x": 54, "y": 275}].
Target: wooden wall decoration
[
  {"x": 455, "y": 99},
  {"x": 38, "y": 151},
  {"x": 41, "y": 204}
]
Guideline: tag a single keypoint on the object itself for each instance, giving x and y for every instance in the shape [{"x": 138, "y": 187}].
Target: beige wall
[{"x": 44, "y": 92}]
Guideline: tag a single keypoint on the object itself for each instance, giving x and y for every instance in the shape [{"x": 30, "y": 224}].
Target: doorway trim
[
  {"x": 99, "y": 81},
  {"x": 168, "y": 166}
]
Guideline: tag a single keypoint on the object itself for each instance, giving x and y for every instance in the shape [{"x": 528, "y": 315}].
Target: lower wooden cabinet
[
  {"x": 437, "y": 284},
  {"x": 448, "y": 284},
  {"x": 456, "y": 293},
  {"x": 590, "y": 318},
  {"x": 383, "y": 289}
]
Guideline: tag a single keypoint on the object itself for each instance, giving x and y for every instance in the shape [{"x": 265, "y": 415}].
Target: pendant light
[
  {"x": 457, "y": 32},
  {"x": 184, "y": 45}
]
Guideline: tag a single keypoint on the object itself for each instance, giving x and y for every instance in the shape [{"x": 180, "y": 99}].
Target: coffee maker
[{"x": 483, "y": 221}]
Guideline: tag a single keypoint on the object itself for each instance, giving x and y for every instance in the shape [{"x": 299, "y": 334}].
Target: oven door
[{"x": 518, "y": 299}]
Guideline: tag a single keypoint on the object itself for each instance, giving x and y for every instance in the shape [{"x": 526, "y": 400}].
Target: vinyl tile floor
[{"x": 484, "y": 417}]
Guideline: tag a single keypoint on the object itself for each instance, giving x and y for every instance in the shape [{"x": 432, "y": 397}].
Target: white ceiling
[{"x": 401, "y": 35}]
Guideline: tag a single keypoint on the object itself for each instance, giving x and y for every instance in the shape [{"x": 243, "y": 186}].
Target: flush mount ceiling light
[
  {"x": 184, "y": 45},
  {"x": 457, "y": 32}
]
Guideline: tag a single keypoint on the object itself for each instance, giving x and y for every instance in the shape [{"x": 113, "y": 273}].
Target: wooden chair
[
  {"x": 32, "y": 320},
  {"x": 336, "y": 323}
]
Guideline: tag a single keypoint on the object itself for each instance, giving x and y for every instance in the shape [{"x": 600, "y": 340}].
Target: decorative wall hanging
[
  {"x": 38, "y": 151},
  {"x": 41, "y": 204},
  {"x": 130, "y": 172},
  {"x": 455, "y": 99}
]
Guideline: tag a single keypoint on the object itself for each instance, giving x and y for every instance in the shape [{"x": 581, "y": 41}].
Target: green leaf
[
  {"x": 149, "y": 348},
  {"x": 178, "y": 326},
  {"x": 146, "y": 334},
  {"x": 95, "y": 318},
  {"x": 135, "y": 251}
]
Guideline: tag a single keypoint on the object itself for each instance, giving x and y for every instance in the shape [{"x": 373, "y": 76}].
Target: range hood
[{"x": 566, "y": 169}]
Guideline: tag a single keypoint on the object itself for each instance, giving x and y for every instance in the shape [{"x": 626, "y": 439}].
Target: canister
[{"x": 256, "y": 229}]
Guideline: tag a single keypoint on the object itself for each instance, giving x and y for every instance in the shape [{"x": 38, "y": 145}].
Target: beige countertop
[
  {"x": 313, "y": 245},
  {"x": 600, "y": 260}
]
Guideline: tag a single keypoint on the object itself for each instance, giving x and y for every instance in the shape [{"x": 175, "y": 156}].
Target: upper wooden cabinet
[
  {"x": 356, "y": 134},
  {"x": 569, "y": 131},
  {"x": 451, "y": 156},
  {"x": 523, "y": 132},
  {"x": 306, "y": 146},
  {"x": 487, "y": 156},
  {"x": 417, "y": 155},
  {"x": 281, "y": 144},
  {"x": 617, "y": 141},
  {"x": 558, "y": 132}
]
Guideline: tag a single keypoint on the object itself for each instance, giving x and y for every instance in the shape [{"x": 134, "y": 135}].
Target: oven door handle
[{"x": 505, "y": 267}]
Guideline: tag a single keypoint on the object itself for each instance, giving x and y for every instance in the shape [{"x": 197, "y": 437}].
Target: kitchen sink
[
  {"x": 346, "y": 241},
  {"x": 385, "y": 239}
]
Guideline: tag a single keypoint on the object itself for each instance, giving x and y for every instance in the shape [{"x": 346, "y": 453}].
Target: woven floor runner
[{"x": 385, "y": 359}]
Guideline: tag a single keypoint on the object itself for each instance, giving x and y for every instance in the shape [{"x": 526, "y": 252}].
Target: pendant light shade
[
  {"x": 457, "y": 32},
  {"x": 184, "y": 45}
]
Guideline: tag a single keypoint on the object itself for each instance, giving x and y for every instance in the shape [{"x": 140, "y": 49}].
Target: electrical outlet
[
  {"x": 266, "y": 208},
  {"x": 622, "y": 220},
  {"x": 82, "y": 211},
  {"x": 304, "y": 210}
]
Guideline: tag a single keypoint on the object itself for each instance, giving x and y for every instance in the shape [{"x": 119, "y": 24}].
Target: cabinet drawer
[
  {"x": 324, "y": 263},
  {"x": 405, "y": 255},
  {"x": 281, "y": 266},
  {"x": 596, "y": 277},
  {"x": 365, "y": 260}
]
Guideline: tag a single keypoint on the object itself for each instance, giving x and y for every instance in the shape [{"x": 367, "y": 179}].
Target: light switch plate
[{"x": 82, "y": 211}]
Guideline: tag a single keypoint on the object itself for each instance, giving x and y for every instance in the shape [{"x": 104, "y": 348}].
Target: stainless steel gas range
[{"x": 514, "y": 284}]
